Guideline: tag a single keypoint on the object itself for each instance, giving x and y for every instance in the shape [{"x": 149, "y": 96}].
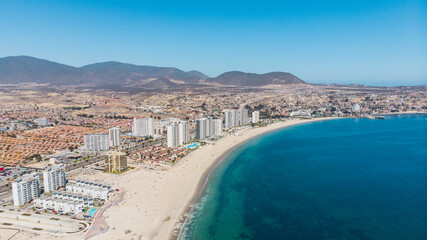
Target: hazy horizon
[{"x": 382, "y": 43}]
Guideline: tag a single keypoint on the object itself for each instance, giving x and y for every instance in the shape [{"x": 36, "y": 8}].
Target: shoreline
[
  {"x": 204, "y": 179},
  {"x": 157, "y": 202}
]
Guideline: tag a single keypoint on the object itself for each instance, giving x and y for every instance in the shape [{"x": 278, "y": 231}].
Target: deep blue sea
[{"x": 336, "y": 179}]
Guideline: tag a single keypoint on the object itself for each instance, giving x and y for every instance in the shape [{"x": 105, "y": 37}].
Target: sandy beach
[{"x": 155, "y": 201}]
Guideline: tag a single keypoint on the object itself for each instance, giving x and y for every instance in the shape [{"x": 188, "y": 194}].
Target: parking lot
[{"x": 10, "y": 173}]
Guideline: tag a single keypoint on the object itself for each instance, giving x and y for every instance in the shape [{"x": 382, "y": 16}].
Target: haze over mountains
[{"x": 24, "y": 69}]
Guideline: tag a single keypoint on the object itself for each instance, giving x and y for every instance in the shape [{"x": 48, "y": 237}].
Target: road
[
  {"x": 53, "y": 224},
  {"x": 84, "y": 163}
]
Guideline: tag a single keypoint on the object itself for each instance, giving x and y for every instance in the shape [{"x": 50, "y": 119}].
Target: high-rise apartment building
[
  {"x": 114, "y": 136},
  {"x": 178, "y": 134},
  {"x": 97, "y": 142},
  {"x": 25, "y": 189},
  {"x": 217, "y": 126},
  {"x": 143, "y": 127},
  {"x": 173, "y": 135},
  {"x": 183, "y": 133},
  {"x": 255, "y": 116},
  {"x": 236, "y": 117},
  {"x": 116, "y": 162},
  {"x": 54, "y": 177},
  {"x": 201, "y": 128},
  {"x": 229, "y": 118},
  {"x": 243, "y": 117}
]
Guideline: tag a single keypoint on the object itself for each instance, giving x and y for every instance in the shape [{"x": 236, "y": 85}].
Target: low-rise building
[
  {"x": 94, "y": 190},
  {"x": 60, "y": 206}
]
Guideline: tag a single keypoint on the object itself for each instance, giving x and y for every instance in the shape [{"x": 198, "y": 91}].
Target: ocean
[{"x": 337, "y": 179}]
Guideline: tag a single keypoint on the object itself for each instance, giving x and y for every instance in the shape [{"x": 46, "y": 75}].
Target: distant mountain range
[
  {"x": 24, "y": 69},
  {"x": 255, "y": 80}
]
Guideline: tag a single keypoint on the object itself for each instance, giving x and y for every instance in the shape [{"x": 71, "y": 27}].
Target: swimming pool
[
  {"x": 91, "y": 212},
  {"x": 192, "y": 145}
]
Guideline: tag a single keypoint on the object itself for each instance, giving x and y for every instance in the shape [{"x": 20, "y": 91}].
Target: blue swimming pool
[
  {"x": 192, "y": 145},
  {"x": 91, "y": 212}
]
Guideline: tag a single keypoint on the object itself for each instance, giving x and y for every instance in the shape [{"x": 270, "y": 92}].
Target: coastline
[
  {"x": 204, "y": 180},
  {"x": 156, "y": 203}
]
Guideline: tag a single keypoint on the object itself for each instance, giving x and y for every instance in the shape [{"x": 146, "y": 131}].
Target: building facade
[
  {"x": 255, "y": 116},
  {"x": 25, "y": 189},
  {"x": 97, "y": 142},
  {"x": 201, "y": 128},
  {"x": 116, "y": 162},
  {"x": 114, "y": 136},
  {"x": 54, "y": 178},
  {"x": 178, "y": 134},
  {"x": 217, "y": 126},
  {"x": 236, "y": 117},
  {"x": 143, "y": 127},
  {"x": 173, "y": 135},
  {"x": 183, "y": 133}
]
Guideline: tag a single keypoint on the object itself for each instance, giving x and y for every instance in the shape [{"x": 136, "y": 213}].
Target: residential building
[
  {"x": 183, "y": 133},
  {"x": 201, "y": 128},
  {"x": 178, "y": 134},
  {"x": 236, "y": 117},
  {"x": 116, "y": 162},
  {"x": 97, "y": 142},
  {"x": 114, "y": 136},
  {"x": 25, "y": 189},
  {"x": 60, "y": 206},
  {"x": 173, "y": 135},
  {"x": 209, "y": 127},
  {"x": 230, "y": 120},
  {"x": 95, "y": 190},
  {"x": 243, "y": 117},
  {"x": 143, "y": 127},
  {"x": 355, "y": 108},
  {"x": 54, "y": 177},
  {"x": 42, "y": 121},
  {"x": 217, "y": 126},
  {"x": 255, "y": 116}
]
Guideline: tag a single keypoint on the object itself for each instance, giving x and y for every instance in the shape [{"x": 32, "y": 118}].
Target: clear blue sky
[{"x": 362, "y": 41}]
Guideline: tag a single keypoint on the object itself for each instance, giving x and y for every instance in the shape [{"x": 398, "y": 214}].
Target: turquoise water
[
  {"x": 92, "y": 212},
  {"x": 192, "y": 145},
  {"x": 337, "y": 179}
]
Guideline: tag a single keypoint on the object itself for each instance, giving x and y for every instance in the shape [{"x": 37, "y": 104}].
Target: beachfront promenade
[{"x": 99, "y": 225}]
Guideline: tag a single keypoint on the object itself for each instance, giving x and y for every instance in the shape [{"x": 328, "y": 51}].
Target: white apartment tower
[
  {"x": 209, "y": 127},
  {"x": 178, "y": 134},
  {"x": 173, "y": 135},
  {"x": 54, "y": 177},
  {"x": 229, "y": 118},
  {"x": 97, "y": 142},
  {"x": 255, "y": 116},
  {"x": 217, "y": 126},
  {"x": 114, "y": 136},
  {"x": 143, "y": 127},
  {"x": 201, "y": 127},
  {"x": 236, "y": 118},
  {"x": 184, "y": 133},
  {"x": 25, "y": 189}
]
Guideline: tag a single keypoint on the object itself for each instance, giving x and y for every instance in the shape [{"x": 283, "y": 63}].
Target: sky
[{"x": 375, "y": 42}]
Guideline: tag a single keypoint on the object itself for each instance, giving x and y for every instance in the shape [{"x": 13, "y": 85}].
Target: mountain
[
  {"x": 24, "y": 69},
  {"x": 198, "y": 74},
  {"x": 21, "y": 69},
  {"x": 255, "y": 80},
  {"x": 28, "y": 69},
  {"x": 160, "y": 83},
  {"x": 129, "y": 74}
]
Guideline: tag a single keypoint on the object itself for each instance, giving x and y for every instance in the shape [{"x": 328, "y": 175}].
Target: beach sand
[{"x": 155, "y": 201}]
